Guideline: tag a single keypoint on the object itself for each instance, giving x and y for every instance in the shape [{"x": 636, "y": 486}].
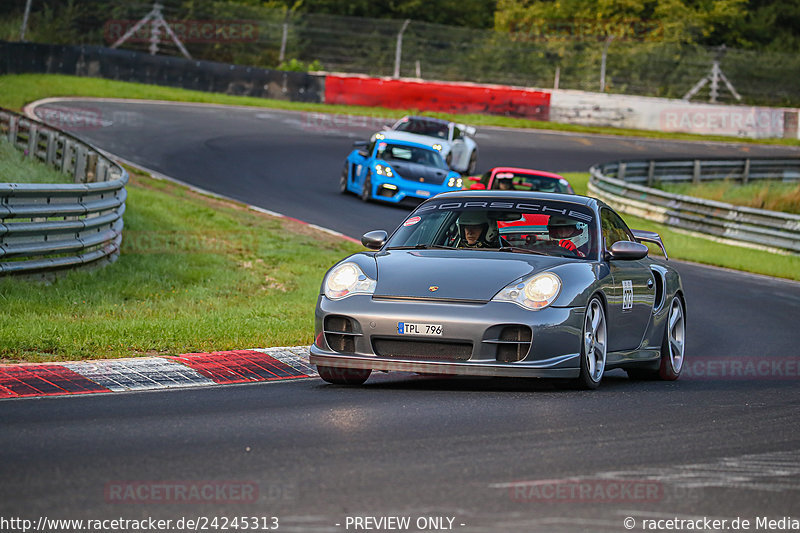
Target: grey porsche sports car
[{"x": 503, "y": 283}]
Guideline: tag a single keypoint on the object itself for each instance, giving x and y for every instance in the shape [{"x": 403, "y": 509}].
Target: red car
[{"x": 519, "y": 179}]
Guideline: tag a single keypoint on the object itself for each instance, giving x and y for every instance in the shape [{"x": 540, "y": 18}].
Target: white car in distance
[{"x": 453, "y": 140}]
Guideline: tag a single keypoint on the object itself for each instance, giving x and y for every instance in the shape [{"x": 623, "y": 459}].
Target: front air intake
[
  {"x": 340, "y": 334},
  {"x": 513, "y": 344}
]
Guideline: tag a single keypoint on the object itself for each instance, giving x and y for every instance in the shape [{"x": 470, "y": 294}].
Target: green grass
[
  {"x": 701, "y": 250},
  {"x": 770, "y": 195},
  {"x": 16, "y": 168},
  {"x": 20, "y": 89},
  {"x": 195, "y": 274}
]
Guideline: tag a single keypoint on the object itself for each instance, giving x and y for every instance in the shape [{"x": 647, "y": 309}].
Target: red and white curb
[{"x": 149, "y": 373}]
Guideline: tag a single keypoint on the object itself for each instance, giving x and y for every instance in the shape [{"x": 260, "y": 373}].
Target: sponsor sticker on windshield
[{"x": 411, "y": 221}]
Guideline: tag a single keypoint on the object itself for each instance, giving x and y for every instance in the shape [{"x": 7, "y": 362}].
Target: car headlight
[
  {"x": 347, "y": 279},
  {"x": 455, "y": 182},
  {"x": 534, "y": 293},
  {"x": 384, "y": 170}
]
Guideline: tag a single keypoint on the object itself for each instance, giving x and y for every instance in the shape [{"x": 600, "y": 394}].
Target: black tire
[
  {"x": 366, "y": 188},
  {"x": 343, "y": 179},
  {"x": 343, "y": 376},
  {"x": 673, "y": 347},
  {"x": 473, "y": 162},
  {"x": 594, "y": 346}
]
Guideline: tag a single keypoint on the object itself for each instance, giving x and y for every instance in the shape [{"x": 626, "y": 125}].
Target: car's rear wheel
[
  {"x": 366, "y": 188},
  {"x": 343, "y": 179},
  {"x": 343, "y": 376},
  {"x": 473, "y": 162},
  {"x": 673, "y": 347},
  {"x": 593, "y": 346}
]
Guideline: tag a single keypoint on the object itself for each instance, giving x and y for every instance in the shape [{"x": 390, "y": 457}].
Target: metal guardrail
[
  {"x": 618, "y": 184},
  {"x": 48, "y": 227}
]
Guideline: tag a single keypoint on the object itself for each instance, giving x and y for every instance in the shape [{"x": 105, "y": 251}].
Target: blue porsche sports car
[{"x": 392, "y": 170}]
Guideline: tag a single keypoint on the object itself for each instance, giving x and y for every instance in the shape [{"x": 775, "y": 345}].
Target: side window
[
  {"x": 614, "y": 228},
  {"x": 485, "y": 179},
  {"x": 457, "y": 133}
]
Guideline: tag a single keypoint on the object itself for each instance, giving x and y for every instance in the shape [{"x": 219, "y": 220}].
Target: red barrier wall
[{"x": 438, "y": 96}]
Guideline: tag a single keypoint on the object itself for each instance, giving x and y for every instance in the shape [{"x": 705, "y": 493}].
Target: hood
[
  {"x": 458, "y": 274},
  {"x": 418, "y": 173}
]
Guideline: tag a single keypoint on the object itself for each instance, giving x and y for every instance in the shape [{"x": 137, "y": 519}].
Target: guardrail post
[
  {"x": 696, "y": 172},
  {"x": 13, "y": 125},
  {"x": 621, "y": 170},
  {"x": 651, "y": 170},
  {"x": 52, "y": 148},
  {"x": 746, "y": 172},
  {"x": 80, "y": 165},
  {"x": 33, "y": 133}
]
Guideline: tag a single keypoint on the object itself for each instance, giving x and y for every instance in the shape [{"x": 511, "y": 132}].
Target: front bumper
[
  {"x": 553, "y": 350},
  {"x": 397, "y": 190}
]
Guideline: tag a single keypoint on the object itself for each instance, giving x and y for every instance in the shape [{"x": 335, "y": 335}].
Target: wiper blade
[
  {"x": 518, "y": 250},
  {"x": 422, "y": 247}
]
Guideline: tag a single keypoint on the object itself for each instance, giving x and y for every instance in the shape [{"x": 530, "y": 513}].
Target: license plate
[
  {"x": 424, "y": 193},
  {"x": 410, "y": 328}
]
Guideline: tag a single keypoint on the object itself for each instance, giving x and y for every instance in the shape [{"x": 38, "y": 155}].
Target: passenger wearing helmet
[
  {"x": 562, "y": 230},
  {"x": 475, "y": 230},
  {"x": 504, "y": 184}
]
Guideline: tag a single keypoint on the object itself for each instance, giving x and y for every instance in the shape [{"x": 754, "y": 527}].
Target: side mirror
[
  {"x": 374, "y": 240},
  {"x": 627, "y": 251}
]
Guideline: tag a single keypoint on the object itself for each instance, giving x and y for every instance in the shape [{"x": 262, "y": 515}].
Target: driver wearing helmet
[
  {"x": 562, "y": 230},
  {"x": 475, "y": 230}
]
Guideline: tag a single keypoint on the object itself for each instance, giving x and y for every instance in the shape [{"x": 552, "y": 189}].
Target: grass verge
[
  {"x": 195, "y": 274},
  {"x": 700, "y": 250},
  {"x": 16, "y": 168},
  {"x": 20, "y": 89},
  {"x": 770, "y": 195}
]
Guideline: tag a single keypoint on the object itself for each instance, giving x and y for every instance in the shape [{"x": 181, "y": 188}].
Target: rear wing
[{"x": 650, "y": 236}]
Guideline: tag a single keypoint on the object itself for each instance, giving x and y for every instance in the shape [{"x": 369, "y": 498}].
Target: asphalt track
[{"x": 491, "y": 454}]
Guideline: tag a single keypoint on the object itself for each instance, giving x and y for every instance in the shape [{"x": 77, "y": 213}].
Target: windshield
[
  {"x": 514, "y": 181},
  {"x": 423, "y": 127},
  {"x": 539, "y": 227},
  {"x": 410, "y": 154}
]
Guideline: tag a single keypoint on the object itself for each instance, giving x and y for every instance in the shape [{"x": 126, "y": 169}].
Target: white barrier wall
[{"x": 662, "y": 114}]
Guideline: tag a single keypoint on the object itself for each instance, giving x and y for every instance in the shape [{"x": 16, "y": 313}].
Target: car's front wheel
[
  {"x": 473, "y": 162},
  {"x": 366, "y": 188},
  {"x": 343, "y": 179},
  {"x": 343, "y": 376},
  {"x": 593, "y": 346}
]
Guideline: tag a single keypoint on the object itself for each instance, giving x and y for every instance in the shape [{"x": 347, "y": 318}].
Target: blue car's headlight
[
  {"x": 536, "y": 292},
  {"x": 384, "y": 170},
  {"x": 346, "y": 280},
  {"x": 455, "y": 182}
]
